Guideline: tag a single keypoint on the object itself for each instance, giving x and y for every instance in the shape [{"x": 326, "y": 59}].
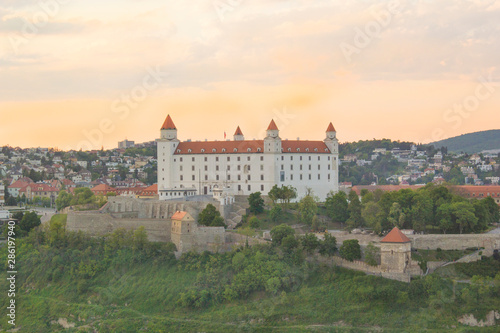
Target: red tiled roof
[
  {"x": 103, "y": 188},
  {"x": 478, "y": 191},
  {"x": 395, "y": 236},
  {"x": 330, "y": 128},
  {"x": 168, "y": 124},
  {"x": 248, "y": 146},
  {"x": 238, "y": 131},
  {"x": 178, "y": 215},
  {"x": 272, "y": 126},
  {"x": 20, "y": 183}
]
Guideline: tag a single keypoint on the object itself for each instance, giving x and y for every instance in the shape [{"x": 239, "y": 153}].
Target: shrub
[
  {"x": 254, "y": 222},
  {"x": 350, "y": 250}
]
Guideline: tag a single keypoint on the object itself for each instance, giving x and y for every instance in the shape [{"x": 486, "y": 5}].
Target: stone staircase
[{"x": 236, "y": 211}]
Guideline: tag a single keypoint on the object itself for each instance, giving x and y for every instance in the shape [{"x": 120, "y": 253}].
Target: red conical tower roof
[
  {"x": 395, "y": 236},
  {"x": 168, "y": 124},
  {"x": 330, "y": 128},
  {"x": 272, "y": 126},
  {"x": 238, "y": 131}
]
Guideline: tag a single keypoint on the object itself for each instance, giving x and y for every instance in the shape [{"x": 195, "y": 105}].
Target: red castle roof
[
  {"x": 272, "y": 126},
  {"x": 178, "y": 215},
  {"x": 168, "y": 124},
  {"x": 395, "y": 236},
  {"x": 330, "y": 128},
  {"x": 238, "y": 131}
]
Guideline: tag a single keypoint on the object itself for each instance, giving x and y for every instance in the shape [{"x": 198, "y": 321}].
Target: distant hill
[{"x": 471, "y": 142}]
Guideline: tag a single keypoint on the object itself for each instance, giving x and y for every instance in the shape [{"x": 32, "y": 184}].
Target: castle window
[
  {"x": 262, "y": 187},
  {"x": 309, "y": 176},
  {"x": 319, "y": 166},
  {"x": 309, "y": 158},
  {"x": 239, "y": 167},
  {"x": 192, "y": 159},
  {"x": 262, "y": 158},
  {"x": 216, "y": 168},
  {"x": 217, "y": 159},
  {"x": 228, "y": 167},
  {"x": 239, "y": 177},
  {"x": 282, "y": 167},
  {"x": 182, "y": 178},
  {"x": 214, "y": 150},
  {"x": 193, "y": 177},
  {"x": 249, "y": 177},
  {"x": 300, "y": 176},
  {"x": 289, "y": 149},
  {"x": 329, "y": 166},
  {"x": 239, "y": 187},
  {"x": 228, "y": 158},
  {"x": 235, "y": 150},
  {"x": 315, "y": 149},
  {"x": 228, "y": 177},
  {"x": 328, "y": 176},
  {"x": 298, "y": 149},
  {"x": 249, "y": 149},
  {"x": 326, "y": 149},
  {"x": 180, "y": 159},
  {"x": 238, "y": 159},
  {"x": 261, "y": 177},
  {"x": 178, "y": 150},
  {"x": 189, "y": 150},
  {"x": 203, "y": 150},
  {"x": 205, "y": 158},
  {"x": 319, "y": 176},
  {"x": 223, "y": 150},
  {"x": 258, "y": 149},
  {"x": 248, "y": 158},
  {"x": 261, "y": 167},
  {"x": 192, "y": 168},
  {"x": 206, "y": 167},
  {"x": 328, "y": 157},
  {"x": 216, "y": 177},
  {"x": 291, "y": 166},
  {"x": 309, "y": 166},
  {"x": 206, "y": 177},
  {"x": 291, "y": 177},
  {"x": 307, "y": 149},
  {"x": 319, "y": 158},
  {"x": 249, "y": 187}
]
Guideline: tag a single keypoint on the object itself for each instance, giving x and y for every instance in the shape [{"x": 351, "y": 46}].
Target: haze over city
[{"x": 417, "y": 71}]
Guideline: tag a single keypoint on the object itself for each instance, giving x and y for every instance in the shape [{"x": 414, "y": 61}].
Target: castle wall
[
  {"x": 97, "y": 224},
  {"x": 395, "y": 256},
  {"x": 455, "y": 242}
]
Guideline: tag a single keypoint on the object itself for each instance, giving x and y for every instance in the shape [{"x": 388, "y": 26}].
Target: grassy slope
[
  {"x": 472, "y": 142},
  {"x": 128, "y": 297}
]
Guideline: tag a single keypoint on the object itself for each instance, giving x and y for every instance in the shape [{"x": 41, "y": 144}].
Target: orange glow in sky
[{"x": 75, "y": 77}]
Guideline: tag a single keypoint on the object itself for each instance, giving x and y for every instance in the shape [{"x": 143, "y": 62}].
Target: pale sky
[{"x": 82, "y": 74}]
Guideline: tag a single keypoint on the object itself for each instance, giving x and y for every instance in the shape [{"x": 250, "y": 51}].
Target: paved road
[{"x": 495, "y": 231}]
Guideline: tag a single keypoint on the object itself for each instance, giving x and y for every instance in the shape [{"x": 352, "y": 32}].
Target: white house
[{"x": 246, "y": 166}]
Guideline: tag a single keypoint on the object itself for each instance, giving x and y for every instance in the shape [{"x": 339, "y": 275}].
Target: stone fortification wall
[
  {"x": 97, "y": 224},
  {"x": 155, "y": 209},
  {"x": 455, "y": 242}
]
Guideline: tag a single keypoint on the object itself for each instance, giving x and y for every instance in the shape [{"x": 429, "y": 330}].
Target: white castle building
[{"x": 245, "y": 166}]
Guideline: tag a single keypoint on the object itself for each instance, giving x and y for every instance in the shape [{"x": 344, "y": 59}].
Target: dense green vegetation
[
  {"x": 82, "y": 196},
  {"x": 471, "y": 142},
  {"x": 430, "y": 208},
  {"x": 123, "y": 283}
]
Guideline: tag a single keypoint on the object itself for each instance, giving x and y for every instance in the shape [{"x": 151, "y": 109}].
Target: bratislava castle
[{"x": 245, "y": 166}]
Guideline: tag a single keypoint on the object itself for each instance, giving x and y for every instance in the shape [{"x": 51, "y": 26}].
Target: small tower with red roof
[
  {"x": 272, "y": 142},
  {"x": 168, "y": 129},
  {"x": 238, "y": 135},
  {"x": 395, "y": 251}
]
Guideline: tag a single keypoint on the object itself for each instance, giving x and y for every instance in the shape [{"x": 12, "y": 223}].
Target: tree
[
  {"x": 309, "y": 242},
  {"x": 288, "y": 193},
  {"x": 279, "y": 232},
  {"x": 350, "y": 250},
  {"x": 276, "y": 213},
  {"x": 328, "y": 246},
  {"x": 337, "y": 206},
  {"x": 63, "y": 200},
  {"x": 289, "y": 243},
  {"x": 274, "y": 194},
  {"x": 421, "y": 211},
  {"x": 369, "y": 213},
  {"x": 372, "y": 253},
  {"x": 355, "y": 218},
  {"x": 307, "y": 209},
  {"x": 256, "y": 203},
  {"x": 396, "y": 216},
  {"x": 29, "y": 221},
  {"x": 254, "y": 222},
  {"x": 211, "y": 217}
]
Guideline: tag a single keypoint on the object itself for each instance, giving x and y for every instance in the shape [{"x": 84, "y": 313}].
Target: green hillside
[
  {"x": 126, "y": 284},
  {"x": 471, "y": 142}
]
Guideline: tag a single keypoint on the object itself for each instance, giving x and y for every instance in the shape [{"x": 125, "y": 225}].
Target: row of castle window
[
  {"x": 193, "y": 177},
  {"x": 238, "y": 158}
]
